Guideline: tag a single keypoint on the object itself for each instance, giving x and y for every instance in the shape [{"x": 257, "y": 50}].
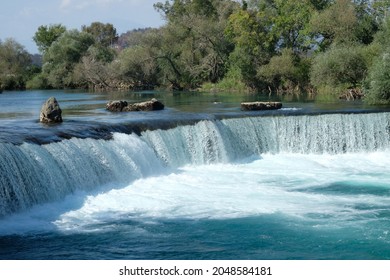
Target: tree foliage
[
  {"x": 194, "y": 49},
  {"x": 47, "y": 35},
  {"x": 340, "y": 66},
  {"x": 15, "y": 65},
  {"x": 377, "y": 82},
  {"x": 104, "y": 34},
  {"x": 62, "y": 56},
  {"x": 283, "y": 46}
]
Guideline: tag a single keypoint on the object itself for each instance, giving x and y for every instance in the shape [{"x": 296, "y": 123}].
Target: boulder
[
  {"x": 151, "y": 105},
  {"x": 51, "y": 111},
  {"x": 116, "y": 106},
  {"x": 123, "y": 106},
  {"x": 257, "y": 106}
]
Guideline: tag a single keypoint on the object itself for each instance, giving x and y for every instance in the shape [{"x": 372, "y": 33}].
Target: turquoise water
[{"x": 212, "y": 184}]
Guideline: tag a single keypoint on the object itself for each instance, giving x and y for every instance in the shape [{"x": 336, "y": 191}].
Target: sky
[{"x": 20, "y": 19}]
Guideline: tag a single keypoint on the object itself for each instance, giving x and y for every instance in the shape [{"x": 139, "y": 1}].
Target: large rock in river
[
  {"x": 123, "y": 106},
  {"x": 51, "y": 111},
  {"x": 116, "y": 106},
  {"x": 151, "y": 105},
  {"x": 257, "y": 106}
]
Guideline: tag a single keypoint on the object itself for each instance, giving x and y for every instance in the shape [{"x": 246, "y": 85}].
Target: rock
[
  {"x": 51, "y": 112},
  {"x": 123, "y": 106},
  {"x": 116, "y": 106},
  {"x": 152, "y": 105},
  {"x": 257, "y": 106}
]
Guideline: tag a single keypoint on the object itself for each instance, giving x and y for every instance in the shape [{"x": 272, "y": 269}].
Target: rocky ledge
[
  {"x": 257, "y": 106},
  {"x": 124, "y": 106}
]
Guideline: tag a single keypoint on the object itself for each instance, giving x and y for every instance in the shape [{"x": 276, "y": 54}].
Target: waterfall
[
  {"x": 333, "y": 133},
  {"x": 234, "y": 139},
  {"x": 32, "y": 174}
]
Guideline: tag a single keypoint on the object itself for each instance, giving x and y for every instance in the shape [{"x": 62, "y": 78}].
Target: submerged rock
[
  {"x": 257, "y": 106},
  {"x": 123, "y": 106},
  {"x": 51, "y": 112}
]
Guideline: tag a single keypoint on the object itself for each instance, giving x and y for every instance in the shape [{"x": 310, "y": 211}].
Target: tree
[
  {"x": 15, "y": 65},
  {"x": 104, "y": 34},
  {"x": 262, "y": 30},
  {"x": 368, "y": 23},
  {"x": 47, "y": 35},
  {"x": 377, "y": 85},
  {"x": 345, "y": 22},
  {"x": 194, "y": 49},
  {"x": 136, "y": 67},
  {"x": 336, "y": 24},
  {"x": 254, "y": 45},
  {"x": 286, "y": 73},
  {"x": 377, "y": 82},
  {"x": 342, "y": 66},
  {"x": 291, "y": 24},
  {"x": 62, "y": 56}
]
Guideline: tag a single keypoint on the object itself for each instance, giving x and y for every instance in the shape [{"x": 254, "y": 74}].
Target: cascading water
[{"x": 31, "y": 174}]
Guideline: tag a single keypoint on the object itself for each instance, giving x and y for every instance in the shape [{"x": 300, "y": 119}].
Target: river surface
[{"x": 198, "y": 180}]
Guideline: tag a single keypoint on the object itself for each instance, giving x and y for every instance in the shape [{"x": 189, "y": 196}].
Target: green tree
[
  {"x": 346, "y": 21},
  {"x": 262, "y": 29},
  {"x": 368, "y": 23},
  {"x": 46, "y": 35},
  {"x": 336, "y": 24},
  {"x": 254, "y": 45},
  {"x": 63, "y": 55},
  {"x": 341, "y": 67},
  {"x": 377, "y": 85},
  {"x": 136, "y": 67},
  {"x": 291, "y": 24},
  {"x": 286, "y": 73},
  {"x": 93, "y": 71},
  {"x": 104, "y": 34},
  {"x": 15, "y": 65},
  {"x": 194, "y": 49}
]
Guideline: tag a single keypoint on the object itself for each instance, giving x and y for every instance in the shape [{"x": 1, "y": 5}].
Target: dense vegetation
[{"x": 324, "y": 48}]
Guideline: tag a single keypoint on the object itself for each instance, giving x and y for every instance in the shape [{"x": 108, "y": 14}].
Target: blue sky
[{"x": 20, "y": 19}]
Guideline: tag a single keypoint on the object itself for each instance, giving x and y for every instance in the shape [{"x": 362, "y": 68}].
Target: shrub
[
  {"x": 340, "y": 67},
  {"x": 377, "y": 84}
]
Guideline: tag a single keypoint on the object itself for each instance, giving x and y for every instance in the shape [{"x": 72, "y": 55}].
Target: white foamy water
[{"x": 283, "y": 183}]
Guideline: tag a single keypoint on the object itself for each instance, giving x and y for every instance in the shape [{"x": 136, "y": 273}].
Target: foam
[{"x": 276, "y": 184}]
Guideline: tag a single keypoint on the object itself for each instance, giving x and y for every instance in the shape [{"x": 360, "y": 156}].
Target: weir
[{"x": 33, "y": 173}]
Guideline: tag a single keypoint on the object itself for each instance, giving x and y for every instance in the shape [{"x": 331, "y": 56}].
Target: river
[{"x": 199, "y": 180}]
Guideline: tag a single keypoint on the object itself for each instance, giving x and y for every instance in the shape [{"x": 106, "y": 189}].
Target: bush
[
  {"x": 377, "y": 84},
  {"x": 37, "y": 82},
  {"x": 328, "y": 93},
  {"x": 286, "y": 73},
  {"x": 232, "y": 82},
  {"x": 340, "y": 67}
]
